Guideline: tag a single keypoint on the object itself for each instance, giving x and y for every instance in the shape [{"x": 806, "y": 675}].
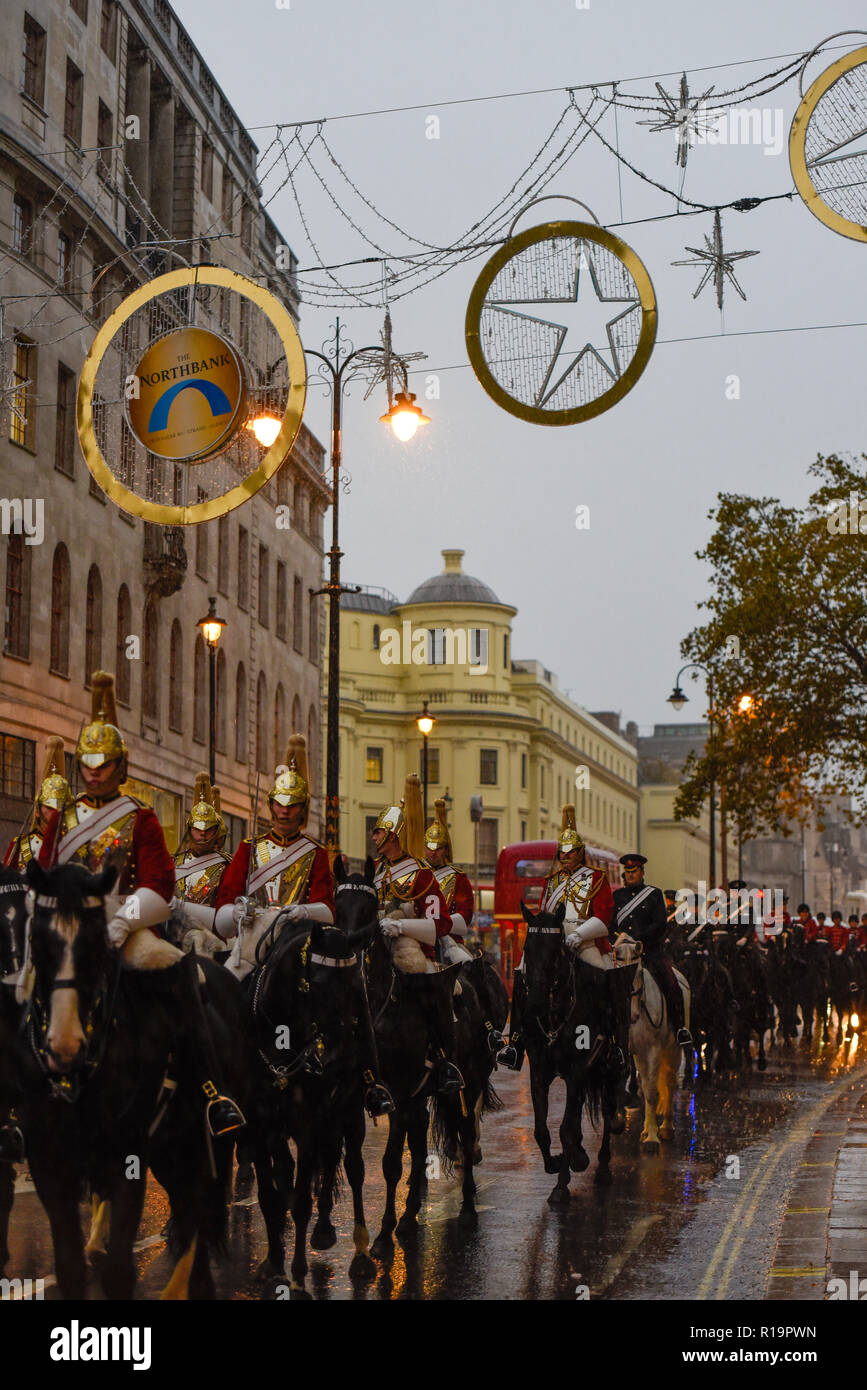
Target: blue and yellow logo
[{"x": 188, "y": 395}]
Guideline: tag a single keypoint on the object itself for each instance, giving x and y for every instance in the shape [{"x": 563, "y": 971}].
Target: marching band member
[
  {"x": 412, "y": 905},
  {"x": 54, "y": 795},
  {"x": 286, "y": 868},
  {"x": 589, "y": 904},
  {"x": 109, "y": 826},
  {"x": 457, "y": 890},
  {"x": 199, "y": 860},
  {"x": 639, "y": 909}
]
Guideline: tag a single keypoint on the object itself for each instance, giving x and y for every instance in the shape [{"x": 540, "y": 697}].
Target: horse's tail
[
  {"x": 446, "y": 1129},
  {"x": 491, "y": 1101}
]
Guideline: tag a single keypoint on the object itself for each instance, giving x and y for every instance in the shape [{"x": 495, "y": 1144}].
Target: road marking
[
  {"x": 812, "y": 1273},
  {"x": 634, "y": 1239},
  {"x": 747, "y": 1204},
  {"x": 802, "y": 1211}
]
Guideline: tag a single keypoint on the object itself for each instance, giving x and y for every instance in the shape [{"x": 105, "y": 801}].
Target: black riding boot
[
  {"x": 222, "y": 1115},
  {"x": 676, "y": 1011},
  {"x": 377, "y": 1097},
  {"x": 620, "y": 984},
  {"x": 11, "y": 1142},
  {"x": 512, "y": 1055},
  {"x": 476, "y": 971},
  {"x": 436, "y": 997}
]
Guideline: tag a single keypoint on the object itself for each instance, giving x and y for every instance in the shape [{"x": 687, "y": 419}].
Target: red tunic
[
  {"x": 837, "y": 934},
  {"x": 811, "y": 929},
  {"x": 463, "y": 900},
  {"x": 319, "y": 888},
  {"x": 149, "y": 864},
  {"x": 427, "y": 899}
]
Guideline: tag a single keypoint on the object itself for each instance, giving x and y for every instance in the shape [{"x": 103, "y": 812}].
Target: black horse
[
  {"x": 101, "y": 1042},
  {"x": 712, "y": 1006},
  {"x": 13, "y": 892},
  {"x": 754, "y": 1013},
  {"x": 843, "y": 986},
  {"x": 566, "y": 1026},
  {"x": 306, "y": 1001}
]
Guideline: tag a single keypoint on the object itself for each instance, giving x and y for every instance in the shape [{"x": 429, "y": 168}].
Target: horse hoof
[
  {"x": 382, "y": 1249},
  {"x": 650, "y": 1146},
  {"x": 468, "y": 1219},
  {"x": 602, "y": 1177},
  {"x": 362, "y": 1267},
  {"x": 268, "y": 1270},
  {"x": 559, "y": 1197},
  {"x": 323, "y": 1236},
  {"x": 579, "y": 1161},
  {"x": 553, "y": 1163},
  {"x": 477, "y": 1155},
  {"x": 666, "y": 1131}
]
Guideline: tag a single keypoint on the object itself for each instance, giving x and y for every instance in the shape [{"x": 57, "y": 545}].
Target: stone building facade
[{"x": 120, "y": 158}]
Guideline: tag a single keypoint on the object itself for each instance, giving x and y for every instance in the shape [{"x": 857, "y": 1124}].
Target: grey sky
[{"x": 604, "y": 607}]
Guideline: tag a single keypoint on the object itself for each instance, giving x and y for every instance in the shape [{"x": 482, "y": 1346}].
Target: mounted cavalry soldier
[
  {"x": 284, "y": 868},
  {"x": 54, "y": 794},
  {"x": 639, "y": 910},
  {"x": 412, "y": 907},
  {"x": 199, "y": 860},
  {"x": 586, "y": 894},
  {"x": 457, "y": 890},
  {"x": 107, "y": 827}
]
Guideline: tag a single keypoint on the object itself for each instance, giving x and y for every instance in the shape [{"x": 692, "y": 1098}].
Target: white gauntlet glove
[
  {"x": 143, "y": 908},
  {"x": 389, "y": 927}
]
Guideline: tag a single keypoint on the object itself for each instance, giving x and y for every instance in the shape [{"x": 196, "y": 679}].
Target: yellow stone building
[{"x": 503, "y": 730}]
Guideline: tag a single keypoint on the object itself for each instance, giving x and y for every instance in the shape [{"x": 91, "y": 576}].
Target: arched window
[
  {"x": 200, "y": 689},
  {"x": 176, "y": 679},
  {"x": 297, "y": 726},
  {"x": 376, "y": 637},
  {"x": 18, "y": 566},
  {"x": 60, "y": 611},
  {"x": 122, "y": 663},
  {"x": 312, "y": 745},
  {"x": 220, "y": 702},
  {"x": 150, "y": 693},
  {"x": 240, "y": 714},
  {"x": 93, "y": 625},
  {"x": 279, "y": 725},
  {"x": 261, "y": 724}
]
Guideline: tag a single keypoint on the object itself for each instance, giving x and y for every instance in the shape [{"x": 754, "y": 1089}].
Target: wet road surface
[{"x": 698, "y": 1220}]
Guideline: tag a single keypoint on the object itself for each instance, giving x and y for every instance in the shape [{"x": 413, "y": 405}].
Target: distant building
[
  {"x": 678, "y": 852},
  {"x": 120, "y": 154}
]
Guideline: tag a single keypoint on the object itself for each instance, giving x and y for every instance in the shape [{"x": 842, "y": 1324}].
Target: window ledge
[{"x": 14, "y": 656}]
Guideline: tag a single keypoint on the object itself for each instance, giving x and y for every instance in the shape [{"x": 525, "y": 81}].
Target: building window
[
  {"x": 282, "y": 601},
  {"x": 297, "y": 615},
  {"x": 151, "y": 662},
  {"x": 64, "y": 437},
  {"x": 122, "y": 663},
  {"x": 243, "y": 568},
  {"x": 176, "y": 677},
  {"x": 17, "y": 628},
  {"x": 244, "y": 326},
  {"x": 240, "y": 714},
  {"x": 376, "y": 637},
  {"x": 542, "y": 780},
  {"x": 227, "y": 198},
  {"x": 312, "y": 744},
  {"x": 100, "y": 430},
  {"x": 247, "y": 227},
  {"x": 261, "y": 723},
  {"x": 523, "y": 770},
  {"x": 264, "y": 586},
  {"x": 489, "y": 831},
  {"x": 202, "y": 542},
  {"x": 105, "y": 141},
  {"x": 296, "y": 715},
  {"x": 79, "y": 7},
  {"x": 223, "y": 556},
  {"x": 73, "y": 107},
  {"x": 279, "y": 725},
  {"x": 108, "y": 28},
  {"x": 506, "y": 652},
  {"x": 93, "y": 626},
  {"x": 207, "y": 172},
  {"x": 477, "y": 654},
  {"x": 22, "y": 225},
  {"x": 373, "y": 765},
  {"x": 313, "y": 631},
  {"x": 523, "y": 830},
  {"x": 433, "y": 765},
  {"x": 60, "y": 611},
  {"x": 488, "y": 767},
  {"x": 64, "y": 262},
  {"x": 33, "y": 61},
  {"x": 199, "y": 690},
  {"x": 220, "y": 703}
]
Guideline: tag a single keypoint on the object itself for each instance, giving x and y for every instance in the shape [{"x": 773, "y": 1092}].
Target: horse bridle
[
  {"x": 68, "y": 1085},
  {"x": 551, "y": 1034}
]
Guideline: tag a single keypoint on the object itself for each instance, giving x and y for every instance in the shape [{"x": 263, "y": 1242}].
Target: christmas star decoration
[
  {"x": 685, "y": 116},
  {"x": 384, "y": 364},
  {"x": 717, "y": 262}
]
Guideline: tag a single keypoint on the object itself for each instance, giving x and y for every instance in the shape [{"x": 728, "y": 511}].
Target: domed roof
[{"x": 453, "y": 586}]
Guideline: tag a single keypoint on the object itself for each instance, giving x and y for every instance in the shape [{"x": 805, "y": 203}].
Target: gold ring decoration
[
  {"x": 516, "y": 345},
  {"x": 822, "y": 163},
  {"x": 179, "y": 429}
]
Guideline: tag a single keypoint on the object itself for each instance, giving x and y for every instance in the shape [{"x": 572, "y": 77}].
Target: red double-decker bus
[{"x": 521, "y": 874}]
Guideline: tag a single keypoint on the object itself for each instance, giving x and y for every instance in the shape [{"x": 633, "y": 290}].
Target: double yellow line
[{"x": 739, "y": 1223}]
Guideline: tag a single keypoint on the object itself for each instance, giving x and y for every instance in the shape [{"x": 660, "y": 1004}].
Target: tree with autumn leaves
[{"x": 786, "y": 641}]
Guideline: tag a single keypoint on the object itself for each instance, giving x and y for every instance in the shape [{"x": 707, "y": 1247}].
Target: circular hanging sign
[
  {"x": 561, "y": 323},
  {"x": 166, "y": 401},
  {"x": 828, "y": 146},
  {"x": 190, "y": 392}
]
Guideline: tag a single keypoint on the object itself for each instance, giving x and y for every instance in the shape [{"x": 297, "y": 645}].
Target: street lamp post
[
  {"x": 425, "y": 724},
  {"x": 211, "y": 627},
  {"x": 404, "y": 417},
  {"x": 677, "y": 699}
]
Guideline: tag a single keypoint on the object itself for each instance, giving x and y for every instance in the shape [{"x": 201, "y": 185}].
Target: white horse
[{"x": 652, "y": 1043}]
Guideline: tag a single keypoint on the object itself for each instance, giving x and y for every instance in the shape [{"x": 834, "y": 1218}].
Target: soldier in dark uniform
[{"x": 639, "y": 909}]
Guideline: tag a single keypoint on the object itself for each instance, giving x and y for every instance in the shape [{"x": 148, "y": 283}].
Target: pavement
[{"x": 823, "y": 1232}]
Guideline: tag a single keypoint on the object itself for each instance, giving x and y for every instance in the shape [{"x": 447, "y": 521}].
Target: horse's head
[
  {"x": 356, "y": 902},
  {"x": 627, "y": 950},
  {"x": 13, "y": 915},
  {"x": 545, "y": 955},
  {"x": 334, "y": 974},
  {"x": 70, "y": 953}
]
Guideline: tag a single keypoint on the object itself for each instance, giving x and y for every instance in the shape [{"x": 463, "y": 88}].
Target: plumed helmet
[
  {"x": 205, "y": 812},
  {"x": 392, "y": 818},
  {"x": 568, "y": 838},
  {"x": 101, "y": 740},
  {"x": 54, "y": 790},
  {"x": 437, "y": 834},
  {"x": 291, "y": 785}
]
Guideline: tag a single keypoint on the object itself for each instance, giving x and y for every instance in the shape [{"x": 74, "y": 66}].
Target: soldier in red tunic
[
  {"x": 119, "y": 829},
  {"x": 199, "y": 861},
  {"x": 412, "y": 905},
  {"x": 54, "y": 795}
]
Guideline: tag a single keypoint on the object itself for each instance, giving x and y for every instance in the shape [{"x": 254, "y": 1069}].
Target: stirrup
[
  {"x": 448, "y": 1080},
  {"x": 496, "y": 1041},
  {"x": 222, "y": 1115},
  {"x": 378, "y": 1100},
  {"x": 684, "y": 1038},
  {"x": 511, "y": 1056}
]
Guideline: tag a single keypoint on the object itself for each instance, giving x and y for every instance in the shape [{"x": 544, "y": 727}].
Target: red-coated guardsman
[
  {"x": 199, "y": 860},
  {"x": 808, "y": 922},
  {"x": 836, "y": 933},
  {"x": 112, "y": 827},
  {"x": 54, "y": 795},
  {"x": 411, "y": 905}
]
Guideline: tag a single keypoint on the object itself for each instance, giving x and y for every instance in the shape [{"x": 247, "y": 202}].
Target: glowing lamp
[
  {"x": 405, "y": 416},
  {"x": 211, "y": 626},
  {"x": 266, "y": 429}
]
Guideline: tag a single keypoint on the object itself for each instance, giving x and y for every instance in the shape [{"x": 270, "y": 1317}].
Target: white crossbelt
[
  {"x": 197, "y": 866},
  {"x": 633, "y": 903},
  {"x": 279, "y": 864},
  {"x": 92, "y": 826}
]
